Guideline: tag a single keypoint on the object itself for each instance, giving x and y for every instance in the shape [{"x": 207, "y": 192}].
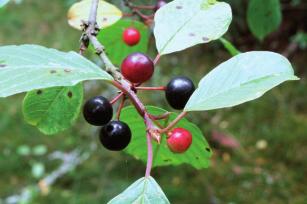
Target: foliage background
[{"x": 275, "y": 173}]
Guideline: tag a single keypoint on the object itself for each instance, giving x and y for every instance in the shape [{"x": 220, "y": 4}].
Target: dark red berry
[
  {"x": 137, "y": 68},
  {"x": 179, "y": 140},
  {"x": 160, "y": 3},
  {"x": 178, "y": 92},
  {"x": 131, "y": 36},
  {"x": 98, "y": 111},
  {"x": 115, "y": 136}
]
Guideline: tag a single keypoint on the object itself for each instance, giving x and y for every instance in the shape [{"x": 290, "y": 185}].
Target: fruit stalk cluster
[{"x": 135, "y": 70}]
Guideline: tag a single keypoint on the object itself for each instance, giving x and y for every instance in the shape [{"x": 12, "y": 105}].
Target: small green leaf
[
  {"x": 181, "y": 24},
  {"x": 143, "y": 191},
  {"x": 263, "y": 17},
  {"x": 53, "y": 110},
  {"x": 112, "y": 38},
  {"x": 198, "y": 155},
  {"x": 29, "y": 67},
  {"x": 230, "y": 47},
  {"x": 243, "y": 78},
  {"x": 39, "y": 150},
  {"x": 24, "y": 150}
]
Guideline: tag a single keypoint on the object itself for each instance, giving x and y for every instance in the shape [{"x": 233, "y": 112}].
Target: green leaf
[
  {"x": 197, "y": 155},
  {"x": 53, "y": 110},
  {"x": 263, "y": 17},
  {"x": 107, "y": 14},
  {"x": 181, "y": 24},
  {"x": 116, "y": 48},
  {"x": 230, "y": 47},
  {"x": 29, "y": 67},
  {"x": 145, "y": 191},
  {"x": 3, "y": 2},
  {"x": 243, "y": 78}
]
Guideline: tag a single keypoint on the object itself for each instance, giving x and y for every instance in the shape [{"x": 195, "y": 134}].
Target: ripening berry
[
  {"x": 178, "y": 92},
  {"x": 115, "y": 136},
  {"x": 179, "y": 140},
  {"x": 137, "y": 68},
  {"x": 131, "y": 36},
  {"x": 98, "y": 111},
  {"x": 160, "y": 3}
]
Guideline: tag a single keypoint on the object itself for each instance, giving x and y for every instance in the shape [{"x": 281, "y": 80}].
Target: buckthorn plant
[{"x": 154, "y": 135}]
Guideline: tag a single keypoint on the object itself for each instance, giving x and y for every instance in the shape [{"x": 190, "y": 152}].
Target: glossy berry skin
[
  {"x": 98, "y": 111},
  {"x": 131, "y": 36},
  {"x": 160, "y": 3},
  {"x": 137, "y": 68},
  {"x": 178, "y": 92},
  {"x": 179, "y": 140},
  {"x": 115, "y": 136}
]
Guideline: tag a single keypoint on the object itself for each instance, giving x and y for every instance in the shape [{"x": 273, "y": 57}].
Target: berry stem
[
  {"x": 116, "y": 98},
  {"x": 160, "y": 88},
  {"x": 157, "y": 59},
  {"x": 160, "y": 117},
  {"x": 145, "y": 7},
  {"x": 174, "y": 122},
  {"x": 120, "y": 107}
]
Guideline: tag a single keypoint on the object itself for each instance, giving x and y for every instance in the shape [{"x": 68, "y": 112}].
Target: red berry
[
  {"x": 131, "y": 36},
  {"x": 137, "y": 68},
  {"x": 179, "y": 140}
]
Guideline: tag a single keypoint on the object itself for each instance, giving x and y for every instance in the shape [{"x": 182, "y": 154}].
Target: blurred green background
[{"x": 269, "y": 166}]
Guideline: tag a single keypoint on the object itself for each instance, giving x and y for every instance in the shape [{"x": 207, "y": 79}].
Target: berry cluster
[
  {"x": 114, "y": 135},
  {"x": 138, "y": 68}
]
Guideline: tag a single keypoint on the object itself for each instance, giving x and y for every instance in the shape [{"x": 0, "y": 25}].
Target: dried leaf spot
[
  {"x": 69, "y": 94},
  {"x": 39, "y": 92},
  {"x": 67, "y": 70},
  {"x": 105, "y": 19},
  {"x": 205, "y": 39},
  {"x": 52, "y": 71},
  {"x": 192, "y": 34},
  {"x": 208, "y": 149},
  {"x": 2, "y": 65},
  {"x": 178, "y": 7}
]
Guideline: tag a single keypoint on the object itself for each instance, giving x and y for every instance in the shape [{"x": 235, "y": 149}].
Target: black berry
[
  {"x": 115, "y": 136},
  {"x": 98, "y": 111},
  {"x": 178, "y": 91}
]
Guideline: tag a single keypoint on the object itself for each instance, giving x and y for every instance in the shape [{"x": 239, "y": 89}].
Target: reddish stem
[
  {"x": 157, "y": 59},
  {"x": 116, "y": 98},
  {"x": 174, "y": 122},
  {"x": 159, "y": 117},
  {"x": 149, "y": 155},
  {"x": 145, "y": 7},
  {"x": 160, "y": 88},
  {"x": 120, "y": 107}
]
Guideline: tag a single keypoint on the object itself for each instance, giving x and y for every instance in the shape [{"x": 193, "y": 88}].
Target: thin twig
[{"x": 174, "y": 122}]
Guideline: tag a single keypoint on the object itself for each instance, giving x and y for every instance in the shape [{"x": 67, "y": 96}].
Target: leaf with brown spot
[{"x": 53, "y": 110}]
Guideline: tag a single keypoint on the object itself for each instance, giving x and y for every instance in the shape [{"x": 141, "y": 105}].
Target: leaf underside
[{"x": 29, "y": 67}]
